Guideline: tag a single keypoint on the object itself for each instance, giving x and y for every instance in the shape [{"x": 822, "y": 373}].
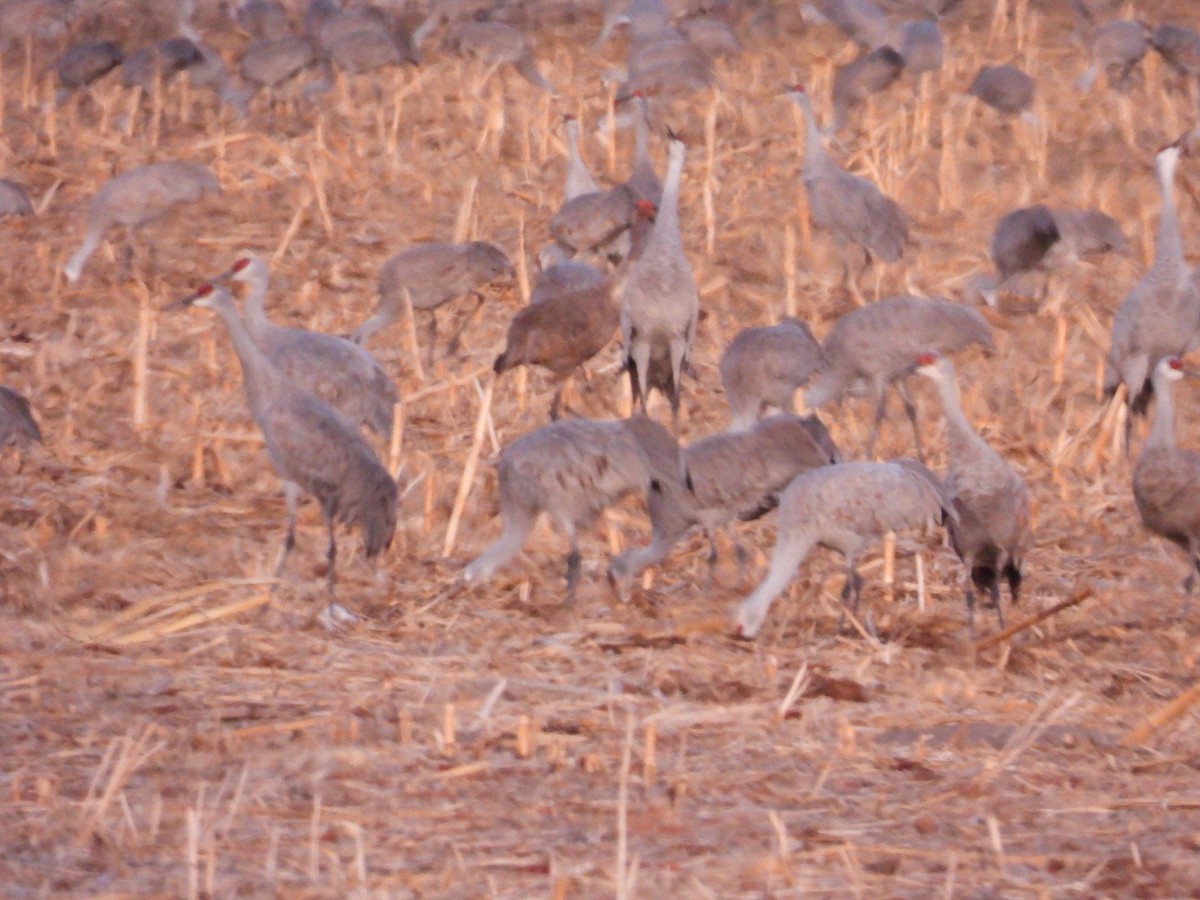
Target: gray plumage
[
  {"x": 312, "y": 446},
  {"x": 1166, "y": 480},
  {"x": 337, "y": 370},
  {"x": 874, "y": 346},
  {"x": 269, "y": 63},
  {"x": 1022, "y": 239},
  {"x": 668, "y": 64},
  {"x": 263, "y": 20},
  {"x": 43, "y": 20},
  {"x": 365, "y": 39},
  {"x": 851, "y": 208},
  {"x": 1003, "y": 88},
  {"x": 498, "y": 44},
  {"x": 844, "y": 507},
  {"x": 659, "y": 302},
  {"x": 867, "y": 74},
  {"x": 17, "y": 425},
  {"x": 162, "y": 60},
  {"x": 433, "y": 274},
  {"x": 711, "y": 35},
  {"x": 594, "y": 226},
  {"x": 578, "y": 180},
  {"x": 991, "y": 533},
  {"x": 1160, "y": 316},
  {"x": 14, "y": 199},
  {"x": 922, "y": 46},
  {"x": 726, "y": 476},
  {"x": 1115, "y": 48},
  {"x": 1087, "y": 232},
  {"x": 1178, "y": 46},
  {"x": 138, "y": 196},
  {"x": 862, "y": 21},
  {"x": 87, "y": 62},
  {"x": 571, "y": 470},
  {"x": 763, "y": 366}
]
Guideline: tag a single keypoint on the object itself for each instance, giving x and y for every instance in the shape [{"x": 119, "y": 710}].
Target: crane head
[
  {"x": 196, "y": 298},
  {"x": 795, "y": 89},
  {"x": 645, "y": 209},
  {"x": 1171, "y": 368},
  {"x": 929, "y": 365}
]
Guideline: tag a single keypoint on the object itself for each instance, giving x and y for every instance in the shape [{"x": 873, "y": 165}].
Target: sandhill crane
[
  {"x": 14, "y": 199},
  {"x": 17, "y": 425},
  {"x": 571, "y": 470},
  {"x": 727, "y": 476},
  {"x": 136, "y": 197},
  {"x": 762, "y": 367},
  {"x": 85, "y": 63},
  {"x": 434, "y": 274},
  {"x": 711, "y": 35},
  {"x": 313, "y": 447},
  {"x": 562, "y": 330},
  {"x": 1021, "y": 241},
  {"x": 164, "y": 60},
  {"x": 667, "y": 64},
  {"x": 874, "y": 346},
  {"x": 1004, "y": 88},
  {"x": 578, "y": 180},
  {"x": 1115, "y": 47},
  {"x": 595, "y": 225},
  {"x": 992, "y": 502},
  {"x": 339, "y": 371},
  {"x": 862, "y": 21},
  {"x": 850, "y": 207},
  {"x": 922, "y": 47},
  {"x": 271, "y": 63},
  {"x": 263, "y": 20},
  {"x": 498, "y": 44},
  {"x": 843, "y": 507},
  {"x": 867, "y": 74},
  {"x": 1160, "y": 316},
  {"x": 1085, "y": 232},
  {"x": 1179, "y": 47},
  {"x": 1166, "y": 480},
  {"x": 365, "y": 38},
  {"x": 659, "y": 302}
]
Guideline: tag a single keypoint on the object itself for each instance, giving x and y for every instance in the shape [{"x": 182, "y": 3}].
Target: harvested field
[{"x": 176, "y": 722}]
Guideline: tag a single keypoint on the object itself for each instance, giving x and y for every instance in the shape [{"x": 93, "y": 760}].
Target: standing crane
[
  {"x": 1160, "y": 316},
  {"x": 136, "y": 197},
  {"x": 873, "y": 347},
  {"x": 1166, "y": 480},
  {"x": 659, "y": 302},
  {"x": 851, "y": 208},
  {"x": 991, "y": 533},
  {"x": 762, "y": 367},
  {"x": 844, "y": 508},
  {"x": 314, "y": 448},
  {"x": 339, "y": 371}
]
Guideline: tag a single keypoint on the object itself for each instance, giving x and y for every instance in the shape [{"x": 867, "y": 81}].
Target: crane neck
[
  {"x": 816, "y": 158},
  {"x": 254, "y": 312},
  {"x": 960, "y": 429},
  {"x": 666, "y": 225},
  {"x": 1168, "y": 244},
  {"x": 260, "y": 378},
  {"x": 1162, "y": 432},
  {"x": 641, "y": 144}
]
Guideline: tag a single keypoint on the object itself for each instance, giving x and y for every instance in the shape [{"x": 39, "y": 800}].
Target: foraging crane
[
  {"x": 1005, "y": 89},
  {"x": 992, "y": 532},
  {"x": 1160, "y": 316},
  {"x": 873, "y": 346},
  {"x": 164, "y": 60},
  {"x": 17, "y": 425},
  {"x": 136, "y": 197},
  {"x": 339, "y": 371},
  {"x": 262, "y": 20},
  {"x": 727, "y": 476},
  {"x": 85, "y": 63},
  {"x": 433, "y": 274},
  {"x": 1086, "y": 232},
  {"x": 561, "y": 330},
  {"x": 843, "y": 507},
  {"x": 851, "y": 208},
  {"x": 869, "y": 73},
  {"x": 271, "y": 63},
  {"x": 43, "y": 20},
  {"x": 314, "y": 448},
  {"x": 1115, "y": 47},
  {"x": 659, "y": 302},
  {"x": 862, "y": 21},
  {"x": 1021, "y": 241},
  {"x": 1179, "y": 47},
  {"x": 762, "y": 367},
  {"x": 572, "y": 470},
  {"x": 365, "y": 38},
  {"x": 14, "y": 199},
  {"x": 498, "y": 44},
  {"x": 595, "y": 225},
  {"x": 1166, "y": 480}
]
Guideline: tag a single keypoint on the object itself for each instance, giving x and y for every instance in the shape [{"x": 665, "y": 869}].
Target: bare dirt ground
[{"x": 174, "y": 721}]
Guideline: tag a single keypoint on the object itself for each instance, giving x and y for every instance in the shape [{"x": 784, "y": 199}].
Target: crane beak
[{"x": 181, "y": 304}]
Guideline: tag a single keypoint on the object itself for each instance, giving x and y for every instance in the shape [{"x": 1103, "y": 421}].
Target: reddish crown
[
  {"x": 1175, "y": 363},
  {"x": 646, "y": 208},
  {"x": 926, "y": 359},
  {"x": 205, "y": 289},
  {"x": 797, "y": 88},
  {"x": 241, "y": 264}
]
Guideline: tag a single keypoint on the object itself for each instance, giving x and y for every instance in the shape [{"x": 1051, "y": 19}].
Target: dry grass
[{"x": 175, "y": 723}]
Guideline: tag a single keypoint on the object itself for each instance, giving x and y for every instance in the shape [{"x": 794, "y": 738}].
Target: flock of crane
[{"x": 617, "y": 265}]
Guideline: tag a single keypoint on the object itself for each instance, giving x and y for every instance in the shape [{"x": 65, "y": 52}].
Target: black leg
[
  {"x": 453, "y": 346},
  {"x": 430, "y": 339},
  {"x": 556, "y": 403},
  {"x": 910, "y": 409},
  {"x": 971, "y": 612},
  {"x": 331, "y": 561},
  {"x": 880, "y": 403},
  {"x": 573, "y": 566},
  {"x": 1013, "y": 572},
  {"x": 995, "y": 591}
]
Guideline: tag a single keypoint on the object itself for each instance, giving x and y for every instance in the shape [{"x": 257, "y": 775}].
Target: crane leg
[
  {"x": 574, "y": 564},
  {"x": 453, "y": 346},
  {"x": 430, "y": 339},
  {"x": 910, "y": 409},
  {"x": 1012, "y": 571},
  {"x": 291, "y": 497},
  {"x": 639, "y": 372},
  {"x": 331, "y": 562},
  {"x": 970, "y": 598},
  {"x": 995, "y": 592},
  {"x": 556, "y": 403},
  {"x": 878, "y": 420},
  {"x": 852, "y": 588}
]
